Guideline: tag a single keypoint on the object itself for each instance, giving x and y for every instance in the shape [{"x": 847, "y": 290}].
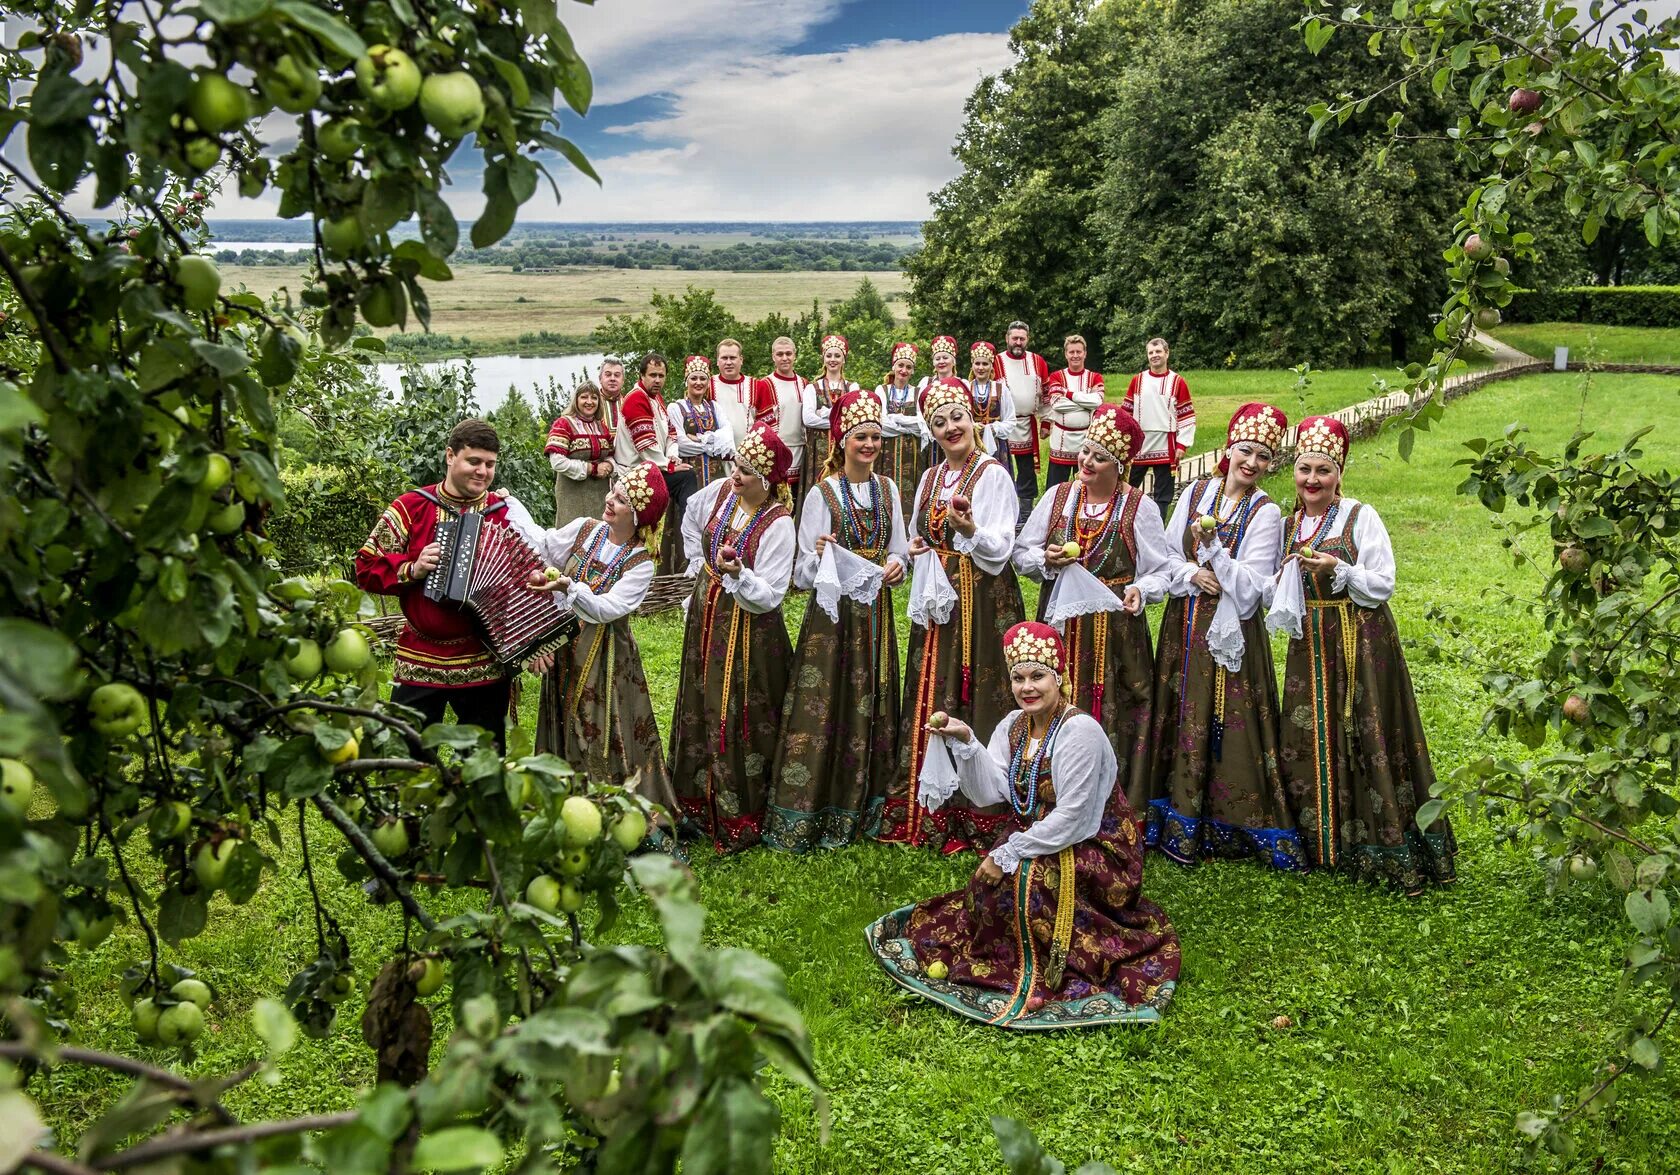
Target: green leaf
[
  {"x": 734, "y": 1131},
  {"x": 42, "y": 661},
  {"x": 224, "y": 359},
  {"x": 496, "y": 219},
  {"x": 1644, "y": 1052},
  {"x": 676, "y": 896},
  {"x": 20, "y": 1128},
  {"x": 1022, "y": 1153},
  {"x": 1654, "y": 225},
  {"x": 577, "y": 158},
  {"x": 1648, "y": 912},
  {"x": 1428, "y": 812},
  {"x": 459, "y": 1148},
  {"x": 273, "y": 1022},
  {"x": 330, "y": 30},
  {"x": 234, "y": 11},
  {"x": 16, "y": 409}
]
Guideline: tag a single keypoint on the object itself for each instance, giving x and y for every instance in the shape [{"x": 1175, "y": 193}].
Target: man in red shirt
[
  {"x": 1072, "y": 394},
  {"x": 1159, "y": 400},
  {"x": 441, "y": 661}
]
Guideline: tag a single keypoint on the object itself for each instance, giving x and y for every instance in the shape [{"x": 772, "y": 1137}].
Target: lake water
[
  {"x": 493, "y": 375},
  {"x": 276, "y": 246}
]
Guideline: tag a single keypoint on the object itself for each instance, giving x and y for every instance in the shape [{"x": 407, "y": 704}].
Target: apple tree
[
  {"x": 1579, "y": 104},
  {"x": 179, "y": 721}
]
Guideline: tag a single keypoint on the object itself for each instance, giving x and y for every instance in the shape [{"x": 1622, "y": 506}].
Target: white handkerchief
[
  {"x": 937, "y": 781},
  {"x": 1225, "y": 635},
  {"x": 931, "y": 595},
  {"x": 1076, "y": 592},
  {"x": 1289, "y": 600},
  {"x": 842, "y": 573}
]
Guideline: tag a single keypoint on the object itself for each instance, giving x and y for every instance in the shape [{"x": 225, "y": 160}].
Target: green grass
[
  {"x": 1420, "y": 1027},
  {"x": 1590, "y": 343}
]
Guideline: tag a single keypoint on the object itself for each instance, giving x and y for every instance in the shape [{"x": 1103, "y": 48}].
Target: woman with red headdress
[
  {"x": 1113, "y": 534},
  {"x": 739, "y": 537},
  {"x": 904, "y": 457},
  {"x": 964, "y": 594},
  {"x": 1218, "y": 788},
  {"x": 1052, "y": 931},
  {"x": 942, "y": 354},
  {"x": 595, "y": 711},
  {"x": 703, "y": 442},
  {"x": 817, "y": 405},
  {"x": 1354, "y": 756},
  {"x": 837, "y": 756},
  {"x": 994, "y": 407}
]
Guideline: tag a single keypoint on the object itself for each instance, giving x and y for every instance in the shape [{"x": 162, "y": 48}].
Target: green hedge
[
  {"x": 330, "y": 511},
  {"x": 1603, "y": 305}
]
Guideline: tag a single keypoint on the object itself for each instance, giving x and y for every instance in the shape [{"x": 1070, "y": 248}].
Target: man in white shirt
[
  {"x": 1026, "y": 374},
  {"x": 741, "y": 400},
  {"x": 1071, "y": 395},
  {"x": 1159, "y": 400},
  {"x": 789, "y": 390}
]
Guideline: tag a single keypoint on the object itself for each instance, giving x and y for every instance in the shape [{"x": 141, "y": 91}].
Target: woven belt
[{"x": 1350, "y": 642}]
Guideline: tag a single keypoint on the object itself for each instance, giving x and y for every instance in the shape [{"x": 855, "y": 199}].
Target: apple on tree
[
  {"x": 116, "y": 709},
  {"x": 388, "y": 77},
  {"x": 347, "y": 652},
  {"x": 217, "y": 104},
  {"x": 390, "y": 837},
  {"x": 200, "y": 282},
  {"x": 543, "y": 893},
  {"x": 582, "y": 820},
  {"x": 293, "y": 85},
  {"x": 630, "y": 830},
  {"x": 432, "y": 976},
  {"x": 17, "y": 786},
  {"x": 210, "y": 864},
  {"x": 452, "y": 103},
  {"x": 180, "y": 1024},
  {"x": 305, "y": 662}
]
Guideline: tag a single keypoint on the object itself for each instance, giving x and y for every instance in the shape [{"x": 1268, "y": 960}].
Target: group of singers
[{"x": 1058, "y": 750}]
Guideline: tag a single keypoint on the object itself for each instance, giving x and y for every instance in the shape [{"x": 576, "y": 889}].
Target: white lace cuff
[
  {"x": 1340, "y": 576},
  {"x": 1225, "y": 635},
  {"x": 1005, "y": 857}
]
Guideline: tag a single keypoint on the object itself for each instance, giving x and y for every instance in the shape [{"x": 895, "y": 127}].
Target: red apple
[
  {"x": 960, "y": 503},
  {"x": 1575, "y": 709},
  {"x": 1477, "y": 248},
  {"x": 1574, "y": 560},
  {"x": 727, "y": 554},
  {"x": 1524, "y": 101}
]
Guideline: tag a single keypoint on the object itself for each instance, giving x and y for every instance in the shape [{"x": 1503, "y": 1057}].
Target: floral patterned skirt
[
  {"x": 723, "y": 747},
  {"x": 997, "y": 942},
  {"x": 1123, "y": 700},
  {"x": 837, "y": 757},
  {"x": 1357, "y": 767},
  {"x": 1217, "y": 789}
]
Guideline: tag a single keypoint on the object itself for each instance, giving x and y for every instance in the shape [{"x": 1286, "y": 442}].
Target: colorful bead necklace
[
  {"x": 744, "y": 536},
  {"x": 603, "y": 579},
  {"x": 857, "y": 532},
  {"x": 1022, "y": 771},
  {"x": 1325, "y": 523}
]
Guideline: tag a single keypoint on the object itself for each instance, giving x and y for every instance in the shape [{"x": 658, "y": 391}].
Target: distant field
[
  {"x": 1588, "y": 342},
  {"x": 490, "y": 304}
]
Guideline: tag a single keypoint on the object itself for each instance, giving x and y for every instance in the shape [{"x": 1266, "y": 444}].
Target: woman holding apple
[
  {"x": 1052, "y": 931},
  {"x": 1114, "y": 532},
  {"x": 965, "y": 593},
  {"x": 1353, "y": 752},
  {"x": 817, "y": 401},
  {"x": 839, "y": 737},
  {"x": 580, "y": 448},
  {"x": 1218, "y": 791},
  {"x": 740, "y": 542},
  {"x": 595, "y": 711}
]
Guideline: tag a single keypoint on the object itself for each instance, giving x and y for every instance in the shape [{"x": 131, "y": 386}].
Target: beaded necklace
[
  {"x": 1325, "y": 523},
  {"x": 1237, "y": 517},
  {"x": 1022, "y": 771},
  {"x": 1087, "y": 535},
  {"x": 744, "y": 537},
  {"x": 939, "y": 507},
  {"x": 984, "y": 402},
  {"x": 901, "y": 397},
  {"x": 610, "y": 570},
  {"x": 857, "y": 532}
]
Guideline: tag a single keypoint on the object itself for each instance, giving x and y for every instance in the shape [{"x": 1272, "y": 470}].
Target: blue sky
[{"x": 772, "y": 109}]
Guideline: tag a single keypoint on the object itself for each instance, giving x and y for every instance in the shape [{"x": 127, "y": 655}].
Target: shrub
[
  {"x": 329, "y": 513},
  {"x": 1601, "y": 305}
]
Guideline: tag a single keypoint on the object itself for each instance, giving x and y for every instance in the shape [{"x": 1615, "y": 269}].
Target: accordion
[{"x": 488, "y": 570}]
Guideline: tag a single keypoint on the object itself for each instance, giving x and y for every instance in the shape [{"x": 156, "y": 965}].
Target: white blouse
[
  {"x": 1246, "y": 578},
  {"x": 1369, "y": 582},
  {"x": 814, "y": 416},
  {"x": 995, "y": 508},
  {"x": 759, "y": 588},
  {"x": 1082, "y": 767},
  {"x": 554, "y": 545},
  {"x": 1154, "y": 558},
  {"x": 719, "y": 442},
  {"x": 901, "y": 424},
  {"x": 815, "y": 519}
]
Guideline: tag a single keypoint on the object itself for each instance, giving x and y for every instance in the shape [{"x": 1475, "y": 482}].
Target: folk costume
[
  {"x": 904, "y": 453},
  {"x": 994, "y": 406},
  {"x": 441, "y": 660},
  {"x": 945, "y": 347},
  {"x": 1161, "y": 404},
  {"x": 1027, "y": 375},
  {"x": 839, "y": 739},
  {"x": 1218, "y": 786},
  {"x": 817, "y": 402},
  {"x": 1354, "y": 756},
  {"x": 955, "y": 663},
  {"x": 1111, "y": 665},
  {"x": 595, "y": 711},
  {"x": 790, "y": 419},
  {"x": 744, "y": 402},
  {"x": 576, "y": 449},
  {"x": 736, "y": 654},
  {"x": 1065, "y": 939},
  {"x": 644, "y": 431},
  {"x": 704, "y": 444},
  {"x": 1070, "y": 398}
]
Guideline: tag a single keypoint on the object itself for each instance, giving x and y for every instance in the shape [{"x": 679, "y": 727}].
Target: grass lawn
[
  {"x": 1590, "y": 343},
  {"x": 1420, "y": 1027}
]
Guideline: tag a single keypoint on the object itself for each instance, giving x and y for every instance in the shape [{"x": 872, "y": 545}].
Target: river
[{"x": 493, "y": 375}]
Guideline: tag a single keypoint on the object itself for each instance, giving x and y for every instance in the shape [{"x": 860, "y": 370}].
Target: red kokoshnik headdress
[
  {"x": 696, "y": 365},
  {"x": 942, "y": 393},
  {"x": 1033, "y": 643},
  {"x": 944, "y": 344},
  {"x": 1116, "y": 432},
  {"x": 644, "y": 485},
  {"x": 1324, "y": 436},
  {"x": 980, "y": 349},
  {"x": 852, "y": 411},
  {"x": 763, "y": 454},
  {"x": 904, "y": 351},
  {"x": 1257, "y": 423},
  {"x": 837, "y": 341}
]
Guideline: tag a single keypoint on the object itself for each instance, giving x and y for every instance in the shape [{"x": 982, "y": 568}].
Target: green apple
[
  {"x": 582, "y": 820},
  {"x": 170, "y": 821},
  {"x": 351, "y": 749},
  {"x": 630, "y": 830},
  {"x": 452, "y": 103},
  {"x": 1583, "y": 868},
  {"x": 217, "y": 104},
  {"x": 338, "y": 989},
  {"x": 337, "y": 139},
  {"x": 388, "y": 77},
  {"x": 574, "y": 862},
  {"x": 1487, "y": 318},
  {"x": 571, "y": 899},
  {"x": 1208, "y": 522},
  {"x": 116, "y": 709},
  {"x": 348, "y": 651},
  {"x": 937, "y": 970},
  {"x": 17, "y": 786},
  {"x": 382, "y": 304},
  {"x": 200, "y": 281},
  {"x": 1477, "y": 247},
  {"x": 343, "y": 236},
  {"x": 552, "y": 574},
  {"x": 192, "y": 991},
  {"x": 391, "y": 839},
  {"x": 294, "y": 86},
  {"x": 1070, "y": 550},
  {"x": 144, "y": 1017},
  {"x": 211, "y": 862},
  {"x": 90, "y": 932},
  {"x": 218, "y": 471},
  {"x": 180, "y": 1024},
  {"x": 543, "y": 893},
  {"x": 201, "y": 153},
  {"x": 352, "y": 806},
  {"x": 304, "y": 663},
  {"x": 431, "y": 979},
  {"x": 230, "y": 519}
]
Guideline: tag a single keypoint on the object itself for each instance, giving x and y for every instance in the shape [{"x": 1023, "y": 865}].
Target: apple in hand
[
  {"x": 551, "y": 574},
  {"x": 1070, "y": 550},
  {"x": 116, "y": 709},
  {"x": 727, "y": 554},
  {"x": 960, "y": 503},
  {"x": 938, "y": 719},
  {"x": 1208, "y": 523}
]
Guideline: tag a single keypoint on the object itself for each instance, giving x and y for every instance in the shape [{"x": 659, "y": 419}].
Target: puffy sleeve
[
  {"x": 552, "y": 545},
  {"x": 1029, "y": 546},
  {"x": 898, "y": 544},
  {"x": 1085, "y": 770},
  {"x": 982, "y": 770},
  {"x": 1246, "y": 577},
  {"x": 1092, "y": 395},
  {"x": 381, "y": 559},
  {"x": 765, "y": 408},
  {"x": 699, "y": 508},
  {"x": 1179, "y": 569},
  {"x": 618, "y": 601},
  {"x": 761, "y": 587},
  {"x": 1154, "y": 557},
  {"x": 813, "y": 416},
  {"x": 996, "y": 510},
  {"x": 687, "y": 446},
  {"x": 814, "y": 519},
  {"x": 1370, "y": 581}
]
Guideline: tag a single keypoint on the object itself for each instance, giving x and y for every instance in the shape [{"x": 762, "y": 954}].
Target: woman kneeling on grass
[
  {"x": 595, "y": 711},
  {"x": 1354, "y": 755},
  {"x": 739, "y": 538},
  {"x": 1052, "y": 931},
  {"x": 840, "y": 723}
]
